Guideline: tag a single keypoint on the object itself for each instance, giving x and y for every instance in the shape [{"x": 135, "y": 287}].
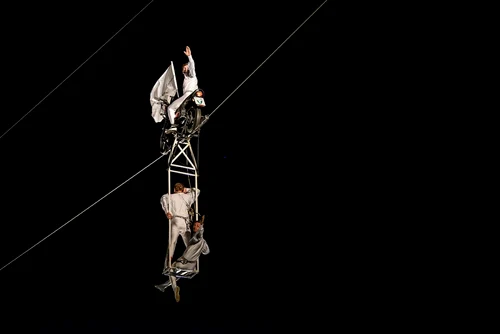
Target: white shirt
[
  {"x": 179, "y": 203},
  {"x": 190, "y": 83}
]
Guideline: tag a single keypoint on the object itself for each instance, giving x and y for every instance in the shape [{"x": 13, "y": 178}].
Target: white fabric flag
[{"x": 164, "y": 89}]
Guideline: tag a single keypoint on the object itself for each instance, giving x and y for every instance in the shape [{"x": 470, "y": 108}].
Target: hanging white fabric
[{"x": 164, "y": 90}]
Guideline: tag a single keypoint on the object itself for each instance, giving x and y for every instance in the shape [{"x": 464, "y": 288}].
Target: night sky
[{"x": 77, "y": 79}]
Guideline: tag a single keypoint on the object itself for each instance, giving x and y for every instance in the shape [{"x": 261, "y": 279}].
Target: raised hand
[{"x": 188, "y": 51}]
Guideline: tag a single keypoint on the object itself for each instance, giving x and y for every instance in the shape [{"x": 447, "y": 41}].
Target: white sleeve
[
  {"x": 164, "y": 202},
  {"x": 191, "y": 66},
  {"x": 205, "y": 250},
  {"x": 194, "y": 194}
]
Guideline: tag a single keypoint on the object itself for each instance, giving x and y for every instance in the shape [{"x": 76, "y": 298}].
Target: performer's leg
[
  {"x": 171, "y": 114},
  {"x": 171, "y": 109},
  {"x": 174, "y": 235},
  {"x": 184, "y": 231},
  {"x": 175, "y": 287},
  {"x": 185, "y": 237},
  {"x": 173, "y": 282}
]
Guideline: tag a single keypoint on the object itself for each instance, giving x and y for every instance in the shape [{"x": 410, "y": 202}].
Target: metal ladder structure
[{"x": 181, "y": 160}]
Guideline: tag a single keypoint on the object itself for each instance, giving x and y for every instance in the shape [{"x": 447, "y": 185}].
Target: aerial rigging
[{"x": 182, "y": 119}]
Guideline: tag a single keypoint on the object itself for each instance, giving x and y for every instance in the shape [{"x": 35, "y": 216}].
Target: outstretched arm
[{"x": 191, "y": 61}]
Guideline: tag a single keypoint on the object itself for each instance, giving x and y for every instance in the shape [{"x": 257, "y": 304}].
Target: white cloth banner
[{"x": 164, "y": 89}]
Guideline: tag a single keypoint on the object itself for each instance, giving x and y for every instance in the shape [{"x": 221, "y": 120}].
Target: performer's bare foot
[{"x": 177, "y": 295}]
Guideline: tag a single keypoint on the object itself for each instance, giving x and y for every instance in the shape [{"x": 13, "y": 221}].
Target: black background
[{"x": 83, "y": 247}]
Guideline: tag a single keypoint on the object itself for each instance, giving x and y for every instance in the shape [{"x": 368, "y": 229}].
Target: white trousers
[
  {"x": 179, "y": 227},
  {"x": 172, "y": 108}
]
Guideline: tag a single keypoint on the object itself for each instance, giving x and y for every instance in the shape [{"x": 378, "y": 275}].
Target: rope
[
  {"x": 36, "y": 105},
  {"x": 208, "y": 116},
  {"x": 161, "y": 156}
]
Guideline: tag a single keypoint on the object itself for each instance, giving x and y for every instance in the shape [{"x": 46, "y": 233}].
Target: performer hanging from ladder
[
  {"x": 188, "y": 261},
  {"x": 179, "y": 211},
  {"x": 177, "y": 207}
]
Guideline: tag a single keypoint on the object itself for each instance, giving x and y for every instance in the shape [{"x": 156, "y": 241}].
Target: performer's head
[
  {"x": 185, "y": 68},
  {"x": 178, "y": 187},
  {"x": 196, "y": 226}
]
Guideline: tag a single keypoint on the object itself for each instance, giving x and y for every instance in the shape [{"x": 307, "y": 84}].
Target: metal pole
[{"x": 169, "y": 221}]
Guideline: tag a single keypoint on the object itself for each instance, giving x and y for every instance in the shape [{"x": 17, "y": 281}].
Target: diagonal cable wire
[
  {"x": 208, "y": 116},
  {"x": 36, "y": 105},
  {"x": 163, "y": 153},
  {"x": 69, "y": 221}
]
